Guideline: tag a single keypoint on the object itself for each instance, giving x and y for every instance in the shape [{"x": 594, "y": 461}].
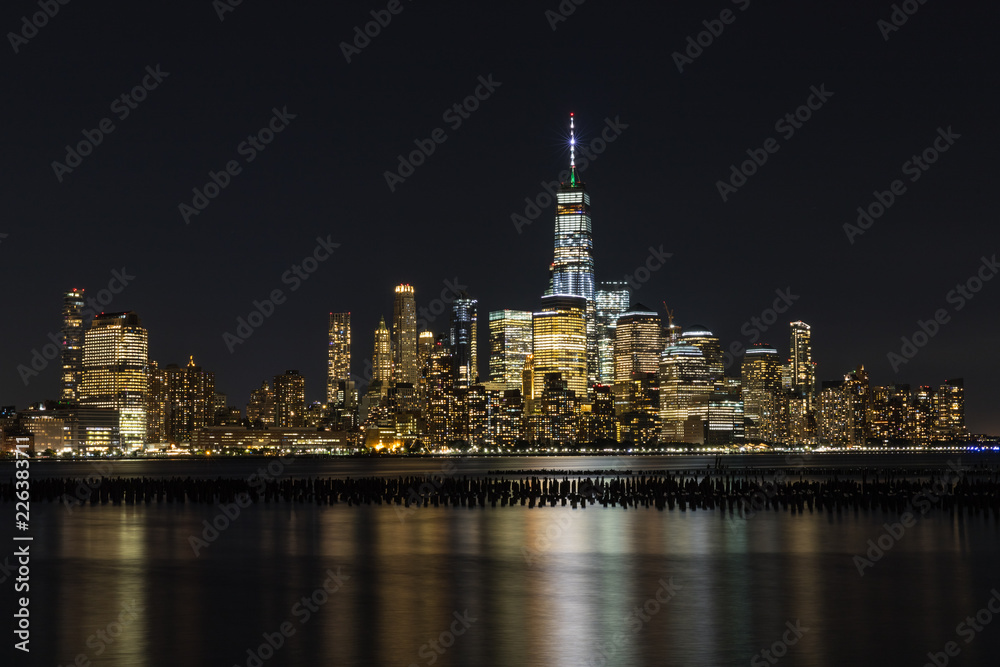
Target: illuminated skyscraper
[
  {"x": 190, "y": 401},
  {"x": 382, "y": 356},
  {"x": 573, "y": 265},
  {"x": 761, "y": 373},
  {"x": 464, "y": 334},
  {"x": 685, "y": 388},
  {"x": 612, "y": 301},
  {"x": 338, "y": 356},
  {"x": 289, "y": 400},
  {"x": 859, "y": 397},
  {"x": 559, "y": 344},
  {"x": 404, "y": 336},
  {"x": 835, "y": 418},
  {"x": 72, "y": 344},
  {"x": 115, "y": 366},
  {"x": 260, "y": 409},
  {"x": 638, "y": 345},
  {"x": 510, "y": 345},
  {"x": 949, "y": 403},
  {"x": 706, "y": 341},
  {"x": 802, "y": 368}
]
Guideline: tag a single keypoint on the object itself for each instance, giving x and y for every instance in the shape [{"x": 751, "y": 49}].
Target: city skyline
[{"x": 474, "y": 213}]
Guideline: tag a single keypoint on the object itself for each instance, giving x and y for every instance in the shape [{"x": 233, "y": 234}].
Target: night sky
[{"x": 323, "y": 175}]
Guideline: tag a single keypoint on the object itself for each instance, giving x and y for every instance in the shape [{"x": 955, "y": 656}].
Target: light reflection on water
[{"x": 738, "y": 583}]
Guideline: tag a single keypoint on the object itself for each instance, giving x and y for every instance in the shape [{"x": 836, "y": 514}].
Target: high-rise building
[
  {"x": 685, "y": 388},
  {"x": 638, "y": 346},
  {"x": 115, "y": 366},
  {"x": 573, "y": 264},
  {"x": 510, "y": 345},
  {"x": 72, "y": 344},
  {"x": 761, "y": 374},
  {"x": 638, "y": 343},
  {"x": 338, "y": 356},
  {"x": 949, "y": 404},
  {"x": 156, "y": 404},
  {"x": 382, "y": 356},
  {"x": 289, "y": 400},
  {"x": 706, "y": 341},
  {"x": 464, "y": 336},
  {"x": 612, "y": 301},
  {"x": 559, "y": 344},
  {"x": 190, "y": 401},
  {"x": 802, "y": 369},
  {"x": 404, "y": 336},
  {"x": 725, "y": 418},
  {"x": 260, "y": 409},
  {"x": 860, "y": 400},
  {"x": 835, "y": 419}
]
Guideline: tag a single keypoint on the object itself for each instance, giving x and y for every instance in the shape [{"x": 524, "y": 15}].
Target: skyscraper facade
[
  {"x": 612, "y": 301},
  {"x": 404, "y": 335},
  {"x": 685, "y": 388},
  {"x": 510, "y": 345},
  {"x": 706, "y": 341},
  {"x": 382, "y": 356},
  {"x": 559, "y": 344},
  {"x": 761, "y": 372},
  {"x": 464, "y": 334},
  {"x": 801, "y": 366},
  {"x": 115, "y": 364},
  {"x": 289, "y": 399},
  {"x": 338, "y": 355},
  {"x": 72, "y": 344},
  {"x": 190, "y": 401},
  {"x": 573, "y": 264}
]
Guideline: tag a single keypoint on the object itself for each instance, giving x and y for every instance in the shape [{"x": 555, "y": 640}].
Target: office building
[
  {"x": 510, "y": 345},
  {"x": 338, "y": 356},
  {"x": 404, "y": 336}
]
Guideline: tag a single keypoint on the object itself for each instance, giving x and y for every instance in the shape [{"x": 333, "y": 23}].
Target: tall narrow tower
[
  {"x": 404, "y": 336},
  {"x": 382, "y": 356},
  {"x": 573, "y": 264},
  {"x": 338, "y": 355},
  {"x": 803, "y": 370},
  {"x": 72, "y": 345},
  {"x": 464, "y": 333}
]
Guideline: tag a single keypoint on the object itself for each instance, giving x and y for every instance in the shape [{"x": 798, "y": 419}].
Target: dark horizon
[{"x": 210, "y": 83}]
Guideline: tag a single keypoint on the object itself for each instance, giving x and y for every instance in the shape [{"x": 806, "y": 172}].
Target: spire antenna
[{"x": 572, "y": 150}]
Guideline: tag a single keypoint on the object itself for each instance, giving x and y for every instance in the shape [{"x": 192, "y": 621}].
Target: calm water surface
[{"x": 407, "y": 577}]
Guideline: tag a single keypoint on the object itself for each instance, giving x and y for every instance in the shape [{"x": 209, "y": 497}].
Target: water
[{"x": 462, "y": 578}]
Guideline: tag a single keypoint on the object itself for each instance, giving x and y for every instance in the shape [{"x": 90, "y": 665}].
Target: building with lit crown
[
  {"x": 762, "y": 390},
  {"x": 404, "y": 336},
  {"x": 338, "y": 365}
]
